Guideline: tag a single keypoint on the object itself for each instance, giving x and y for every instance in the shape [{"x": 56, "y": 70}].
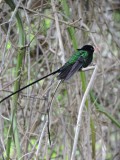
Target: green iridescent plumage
[
  {"x": 80, "y": 59},
  {"x": 76, "y": 55}
]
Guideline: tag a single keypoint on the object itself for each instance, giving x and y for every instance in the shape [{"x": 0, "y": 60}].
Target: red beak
[{"x": 97, "y": 49}]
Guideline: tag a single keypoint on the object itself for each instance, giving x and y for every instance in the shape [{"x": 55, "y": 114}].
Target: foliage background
[{"x": 53, "y": 30}]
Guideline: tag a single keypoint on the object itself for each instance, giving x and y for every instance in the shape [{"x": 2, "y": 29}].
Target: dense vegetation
[{"x": 37, "y": 37}]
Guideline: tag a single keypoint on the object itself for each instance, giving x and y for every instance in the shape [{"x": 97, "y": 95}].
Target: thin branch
[
  {"x": 81, "y": 110},
  {"x": 8, "y": 33},
  {"x": 58, "y": 32},
  {"x": 40, "y": 140}
]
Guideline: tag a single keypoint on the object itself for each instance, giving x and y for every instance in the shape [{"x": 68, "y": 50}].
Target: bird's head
[{"x": 88, "y": 48}]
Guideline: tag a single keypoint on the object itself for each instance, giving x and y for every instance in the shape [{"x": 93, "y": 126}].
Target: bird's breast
[{"x": 87, "y": 61}]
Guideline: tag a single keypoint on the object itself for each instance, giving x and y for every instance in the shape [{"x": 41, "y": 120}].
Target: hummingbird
[{"x": 80, "y": 59}]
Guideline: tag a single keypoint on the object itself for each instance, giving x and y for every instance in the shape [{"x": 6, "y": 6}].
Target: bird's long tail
[{"x": 29, "y": 85}]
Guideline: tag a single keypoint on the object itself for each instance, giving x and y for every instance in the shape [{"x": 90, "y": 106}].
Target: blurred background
[{"x": 36, "y": 38}]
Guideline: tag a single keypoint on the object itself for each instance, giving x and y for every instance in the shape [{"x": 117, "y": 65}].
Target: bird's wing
[
  {"x": 64, "y": 71},
  {"x": 76, "y": 66}
]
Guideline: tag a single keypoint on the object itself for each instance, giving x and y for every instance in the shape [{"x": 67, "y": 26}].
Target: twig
[
  {"x": 8, "y": 33},
  {"x": 88, "y": 68},
  {"x": 80, "y": 112},
  {"x": 58, "y": 32},
  {"x": 40, "y": 141}
]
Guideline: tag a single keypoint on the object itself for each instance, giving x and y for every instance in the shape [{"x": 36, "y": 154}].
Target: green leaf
[{"x": 8, "y": 45}]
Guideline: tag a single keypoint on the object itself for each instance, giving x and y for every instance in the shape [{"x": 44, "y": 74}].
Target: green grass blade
[{"x": 13, "y": 127}]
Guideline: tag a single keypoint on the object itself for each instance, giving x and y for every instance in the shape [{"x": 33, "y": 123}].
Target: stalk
[
  {"x": 71, "y": 32},
  {"x": 20, "y": 54}
]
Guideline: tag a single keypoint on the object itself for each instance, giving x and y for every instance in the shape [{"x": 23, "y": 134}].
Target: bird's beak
[{"x": 96, "y": 49}]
